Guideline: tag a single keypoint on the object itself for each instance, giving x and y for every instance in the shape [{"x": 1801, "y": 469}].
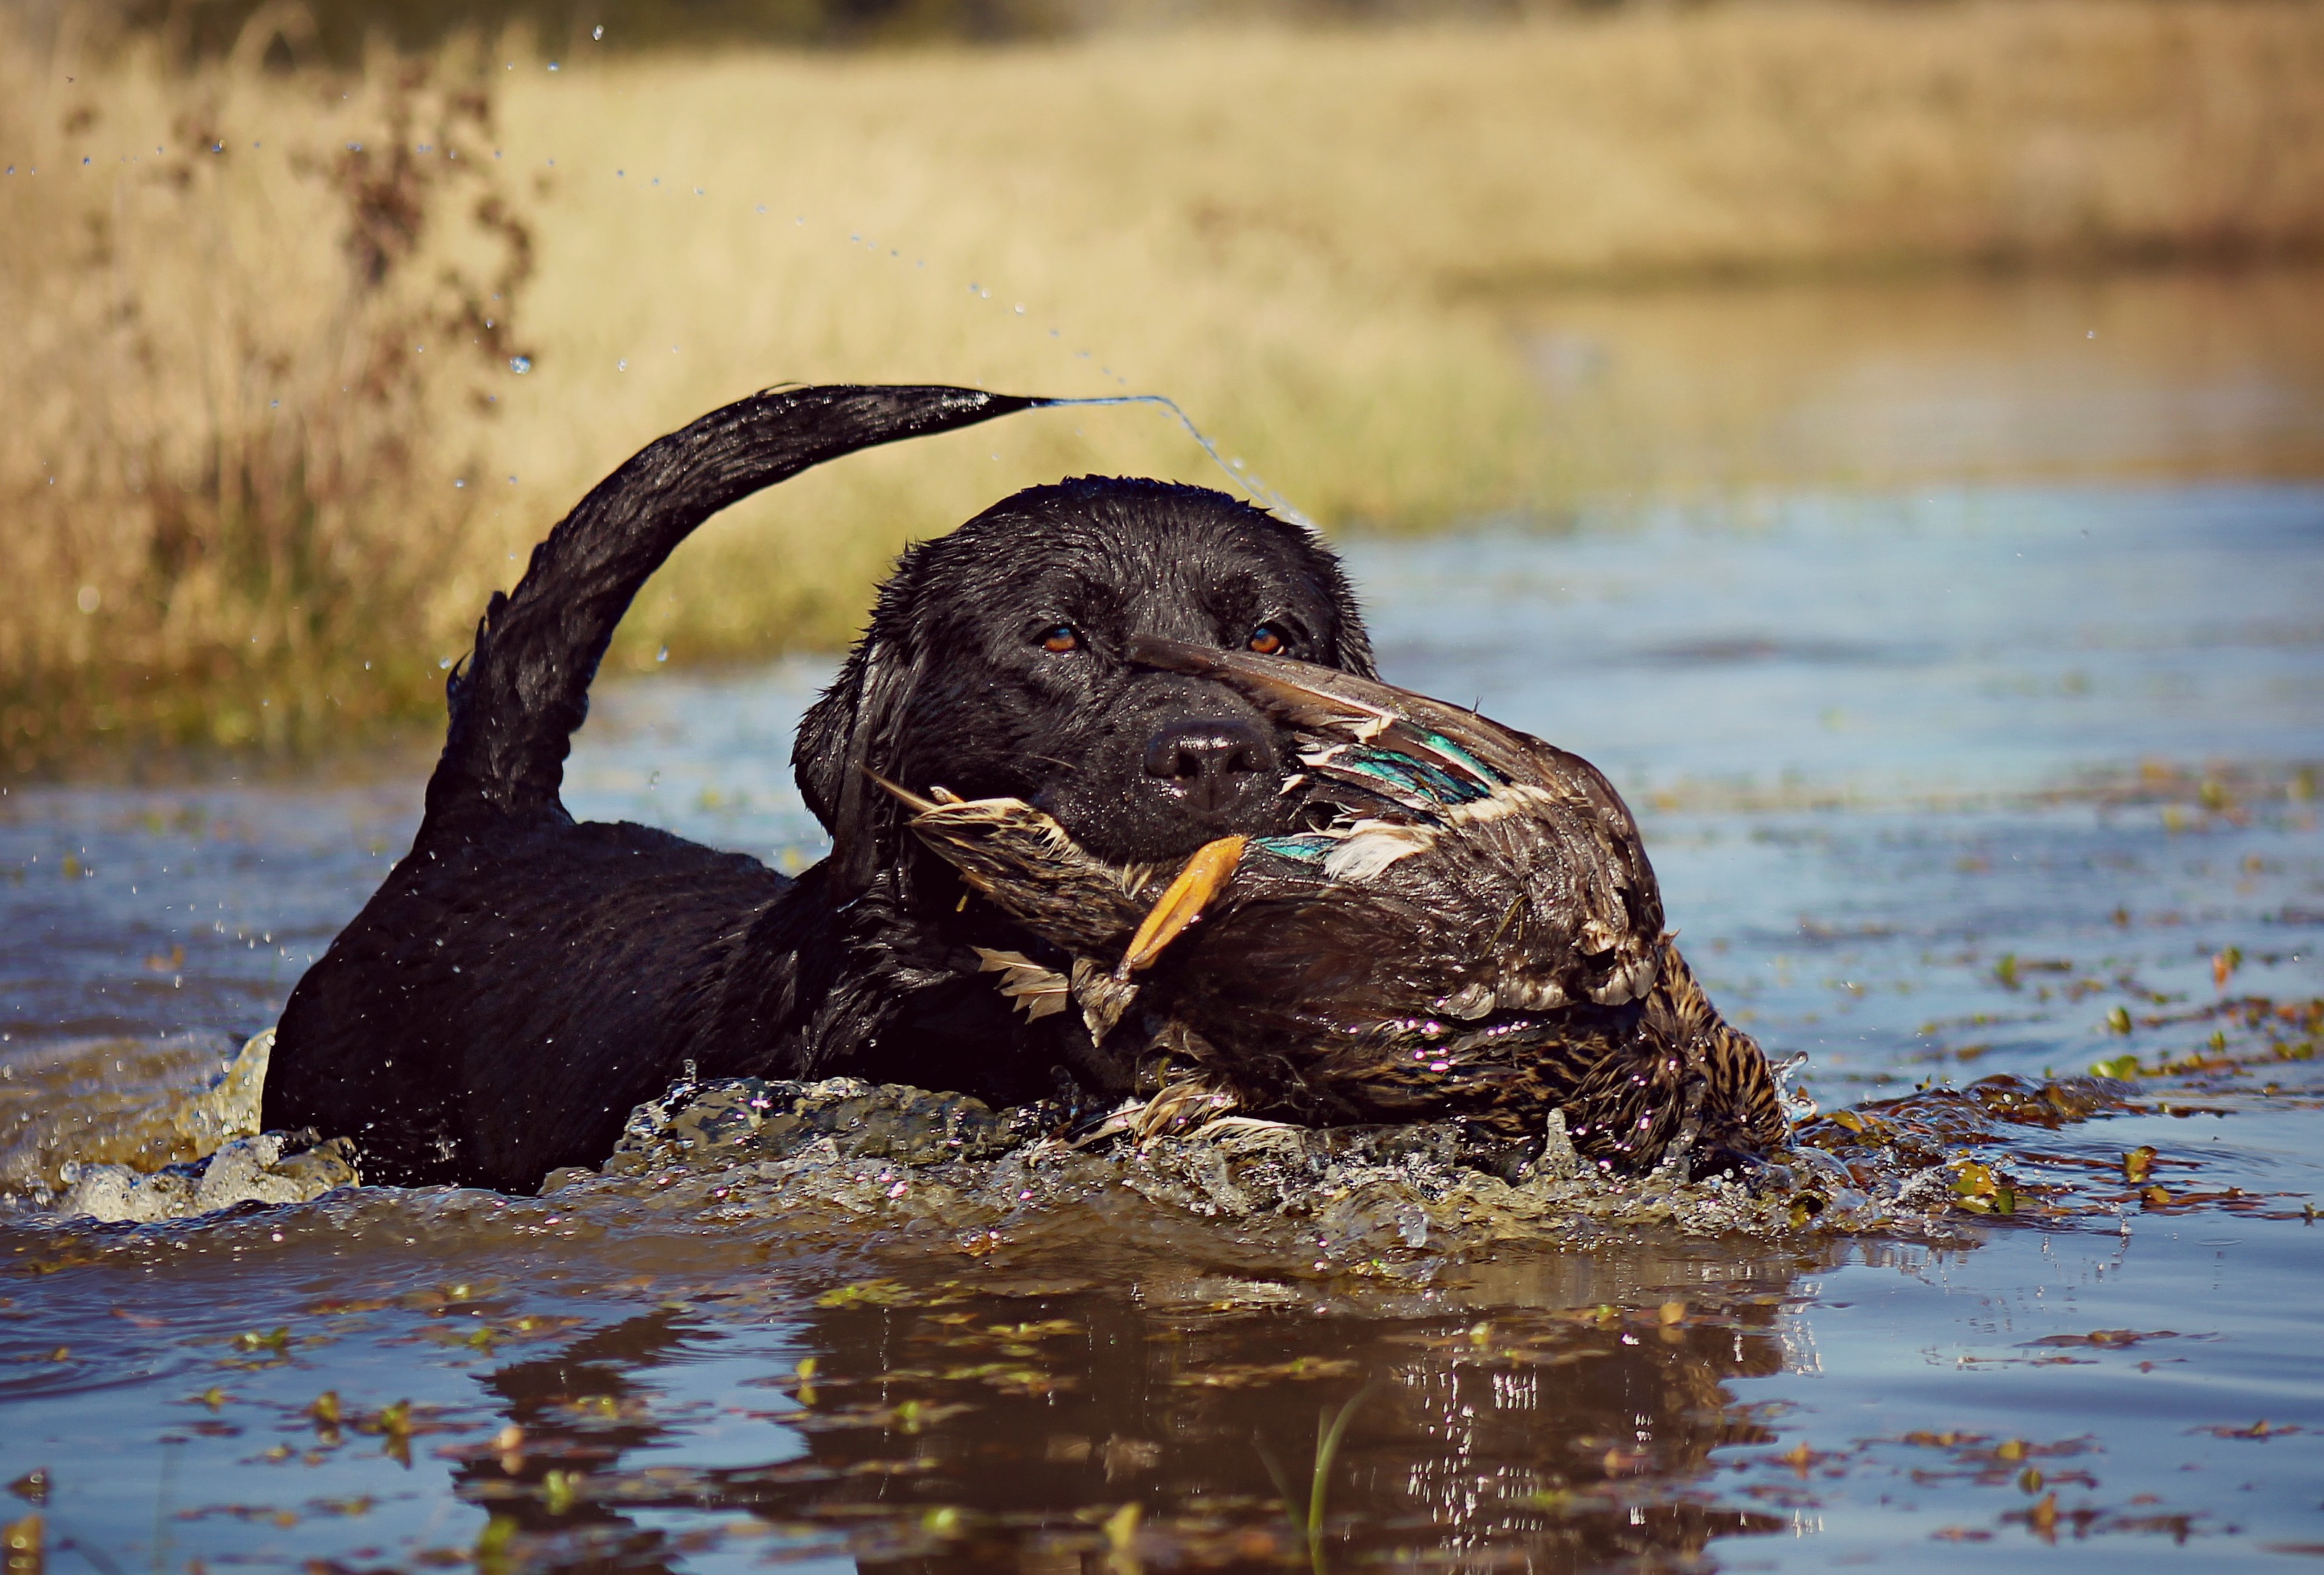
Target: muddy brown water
[{"x": 1959, "y": 789}]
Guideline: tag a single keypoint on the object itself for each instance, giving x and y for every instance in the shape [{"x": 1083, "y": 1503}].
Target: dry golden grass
[
  {"x": 221, "y": 414},
  {"x": 1313, "y": 241}
]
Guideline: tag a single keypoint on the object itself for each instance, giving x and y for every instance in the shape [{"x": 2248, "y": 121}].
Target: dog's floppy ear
[{"x": 852, "y": 731}]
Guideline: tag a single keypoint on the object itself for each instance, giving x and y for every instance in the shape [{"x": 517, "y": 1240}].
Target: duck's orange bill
[{"x": 1213, "y": 865}]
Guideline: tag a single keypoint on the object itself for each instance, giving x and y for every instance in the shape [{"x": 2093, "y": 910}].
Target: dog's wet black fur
[{"x": 521, "y": 981}]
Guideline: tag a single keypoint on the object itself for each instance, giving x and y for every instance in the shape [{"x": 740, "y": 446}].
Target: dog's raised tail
[{"x": 524, "y": 690}]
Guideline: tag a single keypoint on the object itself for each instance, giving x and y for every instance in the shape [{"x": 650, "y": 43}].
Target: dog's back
[{"x": 519, "y": 982}]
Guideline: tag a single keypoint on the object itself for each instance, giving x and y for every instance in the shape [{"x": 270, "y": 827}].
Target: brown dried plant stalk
[{"x": 230, "y": 501}]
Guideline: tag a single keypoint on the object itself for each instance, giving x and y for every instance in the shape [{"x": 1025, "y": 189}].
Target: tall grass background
[{"x": 301, "y": 362}]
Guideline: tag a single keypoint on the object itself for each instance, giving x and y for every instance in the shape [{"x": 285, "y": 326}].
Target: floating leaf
[
  {"x": 867, "y": 1294},
  {"x": 2107, "y": 1337},
  {"x": 559, "y": 1490},
  {"x": 1244, "y": 1375}
]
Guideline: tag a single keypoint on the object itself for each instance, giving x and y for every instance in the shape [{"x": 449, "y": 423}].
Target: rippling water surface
[{"x": 1943, "y": 785}]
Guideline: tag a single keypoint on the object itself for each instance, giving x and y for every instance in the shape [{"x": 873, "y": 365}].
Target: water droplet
[
  {"x": 460, "y": 482},
  {"x": 620, "y": 174},
  {"x": 1021, "y": 308},
  {"x": 621, "y": 366},
  {"x": 698, "y": 191},
  {"x": 552, "y": 66},
  {"x": 520, "y": 364},
  {"x": 662, "y": 655},
  {"x": 445, "y": 663},
  {"x": 597, "y": 32},
  {"x": 88, "y": 599},
  {"x": 654, "y": 780}
]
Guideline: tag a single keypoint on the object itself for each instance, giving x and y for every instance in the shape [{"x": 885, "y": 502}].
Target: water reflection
[{"x": 944, "y": 1428}]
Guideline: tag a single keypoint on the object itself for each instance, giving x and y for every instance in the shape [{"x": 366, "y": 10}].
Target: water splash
[{"x": 1243, "y": 477}]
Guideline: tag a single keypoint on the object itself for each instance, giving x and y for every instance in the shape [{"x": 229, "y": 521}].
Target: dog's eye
[
  {"x": 1266, "y": 639},
  {"x": 1060, "y": 637}
]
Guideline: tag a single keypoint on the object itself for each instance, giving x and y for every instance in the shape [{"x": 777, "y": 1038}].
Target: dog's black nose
[{"x": 1216, "y": 764}]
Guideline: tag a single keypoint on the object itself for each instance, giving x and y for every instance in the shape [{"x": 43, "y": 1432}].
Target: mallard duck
[{"x": 1455, "y": 920}]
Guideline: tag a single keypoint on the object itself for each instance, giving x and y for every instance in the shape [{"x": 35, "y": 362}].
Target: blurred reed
[
  {"x": 1318, "y": 242},
  {"x": 231, "y": 364}
]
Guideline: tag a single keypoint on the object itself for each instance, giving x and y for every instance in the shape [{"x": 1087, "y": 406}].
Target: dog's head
[{"x": 995, "y": 664}]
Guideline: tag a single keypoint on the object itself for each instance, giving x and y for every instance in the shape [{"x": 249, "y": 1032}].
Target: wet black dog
[{"x": 521, "y": 981}]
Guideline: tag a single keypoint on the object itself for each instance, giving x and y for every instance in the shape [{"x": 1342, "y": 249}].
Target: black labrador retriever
[{"x": 521, "y": 982}]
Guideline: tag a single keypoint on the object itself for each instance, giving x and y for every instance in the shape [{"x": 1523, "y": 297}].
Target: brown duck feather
[{"x": 1464, "y": 923}]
